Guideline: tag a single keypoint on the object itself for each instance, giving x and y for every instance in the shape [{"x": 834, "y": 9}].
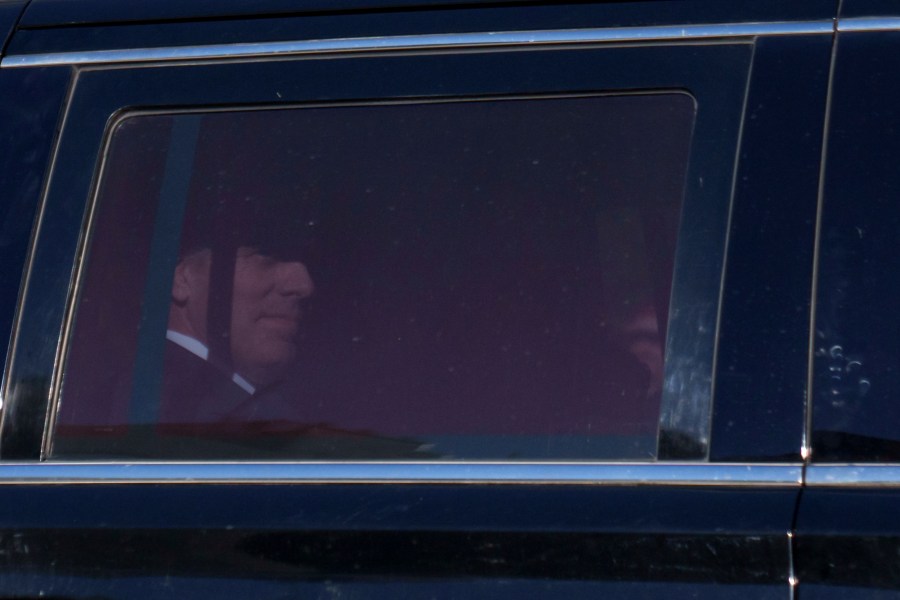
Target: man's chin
[{"x": 270, "y": 365}]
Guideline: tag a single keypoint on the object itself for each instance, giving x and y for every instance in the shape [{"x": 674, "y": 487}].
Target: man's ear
[
  {"x": 191, "y": 277},
  {"x": 181, "y": 285}
]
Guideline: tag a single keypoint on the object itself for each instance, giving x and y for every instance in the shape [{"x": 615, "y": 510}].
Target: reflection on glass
[{"x": 462, "y": 280}]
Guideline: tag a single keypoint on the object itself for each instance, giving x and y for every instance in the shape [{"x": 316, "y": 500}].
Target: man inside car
[
  {"x": 236, "y": 305},
  {"x": 265, "y": 319}
]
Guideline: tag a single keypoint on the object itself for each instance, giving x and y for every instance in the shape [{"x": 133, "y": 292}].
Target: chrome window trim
[
  {"x": 853, "y": 475},
  {"x": 658, "y": 474},
  {"x": 421, "y": 42},
  {"x": 869, "y": 24}
]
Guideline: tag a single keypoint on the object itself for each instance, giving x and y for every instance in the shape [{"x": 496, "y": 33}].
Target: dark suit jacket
[
  {"x": 194, "y": 392},
  {"x": 201, "y": 406}
]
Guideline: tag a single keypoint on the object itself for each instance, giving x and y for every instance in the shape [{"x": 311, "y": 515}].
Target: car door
[
  {"x": 847, "y": 529},
  {"x": 558, "y": 341}
]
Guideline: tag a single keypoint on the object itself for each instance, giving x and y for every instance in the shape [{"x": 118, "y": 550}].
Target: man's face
[{"x": 265, "y": 313}]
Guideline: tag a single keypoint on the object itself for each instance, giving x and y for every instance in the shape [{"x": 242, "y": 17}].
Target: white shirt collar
[
  {"x": 243, "y": 383},
  {"x": 198, "y": 348},
  {"x": 190, "y": 344}
]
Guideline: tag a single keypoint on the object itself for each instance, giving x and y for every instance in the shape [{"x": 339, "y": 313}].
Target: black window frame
[{"x": 716, "y": 74}]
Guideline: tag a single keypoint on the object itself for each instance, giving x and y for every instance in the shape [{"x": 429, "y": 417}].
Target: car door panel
[{"x": 711, "y": 518}]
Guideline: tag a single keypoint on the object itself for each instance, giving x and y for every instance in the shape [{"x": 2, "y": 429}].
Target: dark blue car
[{"x": 450, "y": 299}]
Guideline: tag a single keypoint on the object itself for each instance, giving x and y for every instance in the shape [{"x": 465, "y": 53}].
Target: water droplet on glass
[{"x": 864, "y": 386}]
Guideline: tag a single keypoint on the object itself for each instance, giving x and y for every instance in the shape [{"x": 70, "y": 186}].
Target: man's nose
[{"x": 295, "y": 280}]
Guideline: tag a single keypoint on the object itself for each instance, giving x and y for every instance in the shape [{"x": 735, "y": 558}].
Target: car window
[
  {"x": 857, "y": 344},
  {"x": 444, "y": 279}
]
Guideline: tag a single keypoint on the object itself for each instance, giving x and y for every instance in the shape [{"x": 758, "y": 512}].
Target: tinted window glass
[
  {"x": 484, "y": 279},
  {"x": 857, "y": 347}
]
